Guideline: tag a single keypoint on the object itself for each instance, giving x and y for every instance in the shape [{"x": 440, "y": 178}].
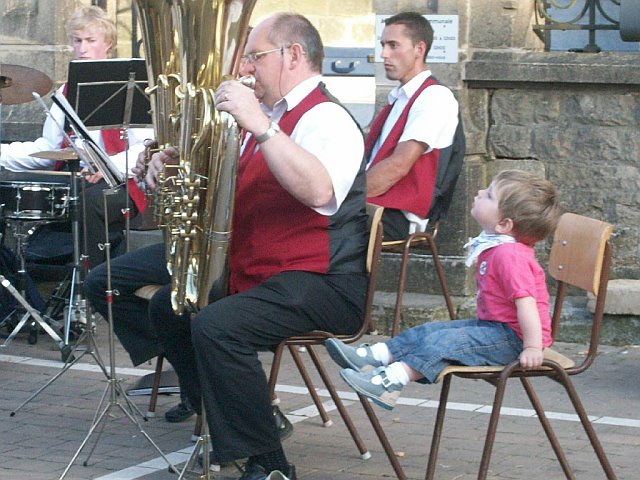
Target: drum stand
[
  {"x": 30, "y": 312},
  {"x": 113, "y": 390}
]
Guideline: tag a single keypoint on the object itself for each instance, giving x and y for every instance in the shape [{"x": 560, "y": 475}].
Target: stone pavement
[{"x": 40, "y": 440}]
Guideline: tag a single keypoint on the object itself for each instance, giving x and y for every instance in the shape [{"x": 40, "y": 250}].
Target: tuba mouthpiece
[{"x": 248, "y": 81}]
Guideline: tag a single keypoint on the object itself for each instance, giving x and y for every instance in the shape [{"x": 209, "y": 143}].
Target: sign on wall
[{"x": 445, "y": 38}]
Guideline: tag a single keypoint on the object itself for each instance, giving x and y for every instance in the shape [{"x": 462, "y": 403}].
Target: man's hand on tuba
[
  {"x": 156, "y": 165},
  {"x": 234, "y": 97}
]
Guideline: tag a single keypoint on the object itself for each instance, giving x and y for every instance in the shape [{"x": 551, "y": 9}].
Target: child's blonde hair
[
  {"x": 530, "y": 202},
  {"x": 96, "y": 17}
]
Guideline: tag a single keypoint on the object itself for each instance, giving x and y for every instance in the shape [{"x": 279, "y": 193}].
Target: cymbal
[
  {"x": 61, "y": 155},
  {"x": 17, "y": 83}
]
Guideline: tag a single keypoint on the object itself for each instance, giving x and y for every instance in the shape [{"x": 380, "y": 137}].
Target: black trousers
[
  {"x": 94, "y": 216},
  {"x": 215, "y": 352},
  {"x": 131, "y": 322},
  {"x": 395, "y": 224}
]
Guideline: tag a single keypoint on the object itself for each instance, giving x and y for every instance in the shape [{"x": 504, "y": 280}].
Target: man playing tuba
[{"x": 297, "y": 250}]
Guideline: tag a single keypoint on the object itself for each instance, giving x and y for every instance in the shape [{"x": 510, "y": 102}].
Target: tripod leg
[
  {"x": 203, "y": 445},
  {"x": 99, "y": 418},
  {"x": 31, "y": 312},
  {"x": 95, "y": 444},
  {"x": 71, "y": 360},
  {"x": 16, "y": 329},
  {"x": 43, "y": 387},
  {"x": 133, "y": 408},
  {"x": 172, "y": 468}
]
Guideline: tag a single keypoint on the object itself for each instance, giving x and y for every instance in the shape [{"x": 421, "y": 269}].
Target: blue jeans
[{"x": 431, "y": 347}]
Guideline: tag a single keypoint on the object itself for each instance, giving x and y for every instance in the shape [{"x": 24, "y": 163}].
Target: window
[{"x": 581, "y": 25}]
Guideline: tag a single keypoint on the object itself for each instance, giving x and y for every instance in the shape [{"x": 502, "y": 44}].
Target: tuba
[
  {"x": 208, "y": 36},
  {"x": 161, "y": 54}
]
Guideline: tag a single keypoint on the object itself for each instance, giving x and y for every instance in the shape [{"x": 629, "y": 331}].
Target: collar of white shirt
[
  {"x": 407, "y": 90},
  {"x": 292, "y": 99}
]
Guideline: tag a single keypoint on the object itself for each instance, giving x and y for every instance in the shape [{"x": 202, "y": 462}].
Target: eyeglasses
[{"x": 254, "y": 57}]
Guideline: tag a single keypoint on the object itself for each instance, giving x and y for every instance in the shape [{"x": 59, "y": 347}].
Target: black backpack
[{"x": 450, "y": 163}]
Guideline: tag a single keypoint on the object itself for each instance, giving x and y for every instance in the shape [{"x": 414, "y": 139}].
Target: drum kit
[{"x": 28, "y": 201}]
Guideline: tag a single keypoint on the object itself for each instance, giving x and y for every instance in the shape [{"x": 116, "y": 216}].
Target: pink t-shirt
[{"x": 508, "y": 272}]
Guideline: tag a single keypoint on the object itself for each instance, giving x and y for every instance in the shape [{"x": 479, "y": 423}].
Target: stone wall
[
  {"x": 575, "y": 118},
  {"x": 32, "y": 35}
]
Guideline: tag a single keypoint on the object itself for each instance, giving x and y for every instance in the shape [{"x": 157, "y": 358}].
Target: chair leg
[
  {"x": 153, "y": 400},
  {"x": 443, "y": 279},
  {"x": 273, "y": 374},
  {"x": 544, "y": 421},
  {"x": 326, "y": 421},
  {"x": 384, "y": 441},
  {"x": 564, "y": 379},
  {"x": 197, "y": 429},
  {"x": 437, "y": 428},
  {"x": 402, "y": 281},
  {"x": 493, "y": 422},
  {"x": 326, "y": 379}
]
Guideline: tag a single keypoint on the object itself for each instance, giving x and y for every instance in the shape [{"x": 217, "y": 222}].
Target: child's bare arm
[{"x": 529, "y": 321}]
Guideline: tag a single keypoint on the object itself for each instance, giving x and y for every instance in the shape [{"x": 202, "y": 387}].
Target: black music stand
[
  {"x": 111, "y": 94},
  {"x": 98, "y": 91}
]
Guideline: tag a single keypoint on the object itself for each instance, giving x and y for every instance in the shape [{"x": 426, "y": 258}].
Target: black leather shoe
[
  {"x": 284, "y": 426},
  {"x": 214, "y": 462},
  {"x": 180, "y": 412},
  {"x": 253, "y": 471}
]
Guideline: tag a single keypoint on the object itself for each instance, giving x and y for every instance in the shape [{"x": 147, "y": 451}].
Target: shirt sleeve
[
  {"x": 329, "y": 133},
  {"x": 433, "y": 118},
  {"x": 15, "y": 156}
]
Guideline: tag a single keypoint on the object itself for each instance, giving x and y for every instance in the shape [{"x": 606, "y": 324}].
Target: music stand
[{"x": 110, "y": 93}]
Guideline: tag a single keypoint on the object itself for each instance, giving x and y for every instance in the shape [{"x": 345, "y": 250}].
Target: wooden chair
[
  {"x": 424, "y": 242},
  {"x": 317, "y": 338},
  {"x": 580, "y": 257}
]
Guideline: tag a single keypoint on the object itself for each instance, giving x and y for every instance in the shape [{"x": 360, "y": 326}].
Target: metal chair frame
[{"x": 426, "y": 241}]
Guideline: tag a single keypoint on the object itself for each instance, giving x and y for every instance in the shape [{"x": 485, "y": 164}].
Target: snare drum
[{"x": 34, "y": 200}]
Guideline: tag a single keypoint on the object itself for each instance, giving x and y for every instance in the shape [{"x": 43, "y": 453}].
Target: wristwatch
[{"x": 271, "y": 131}]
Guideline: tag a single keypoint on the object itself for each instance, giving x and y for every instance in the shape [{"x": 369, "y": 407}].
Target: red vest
[
  {"x": 113, "y": 144},
  {"x": 272, "y": 231},
  {"x": 414, "y": 191}
]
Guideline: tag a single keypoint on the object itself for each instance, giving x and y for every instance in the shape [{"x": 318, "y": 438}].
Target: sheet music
[{"x": 97, "y": 155}]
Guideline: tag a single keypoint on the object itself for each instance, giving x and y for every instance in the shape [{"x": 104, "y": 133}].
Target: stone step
[{"x": 421, "y": 274}]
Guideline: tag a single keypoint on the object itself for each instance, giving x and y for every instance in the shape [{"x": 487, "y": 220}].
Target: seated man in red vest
[
  {"x": 405, "y": 137},
  {"x": 297, "y": 249},
  {"x": 92, "y": 35}
]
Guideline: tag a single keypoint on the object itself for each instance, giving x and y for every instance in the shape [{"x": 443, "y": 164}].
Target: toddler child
[{"x": 517, "y": 210}]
